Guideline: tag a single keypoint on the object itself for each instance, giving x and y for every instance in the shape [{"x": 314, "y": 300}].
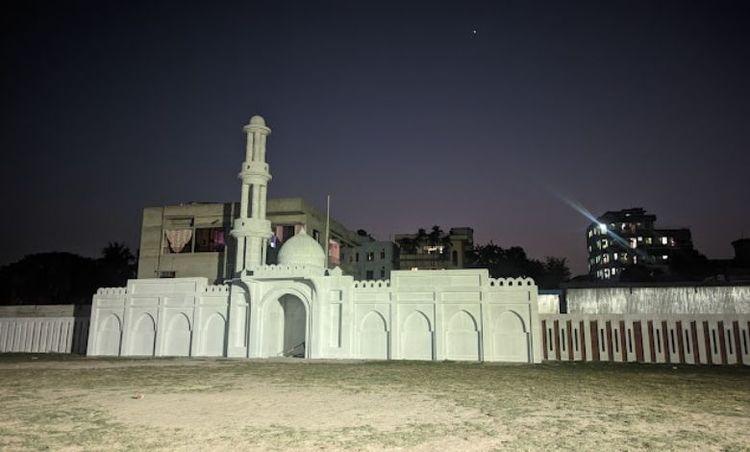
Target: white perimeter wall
[{"x": 659, "y": 300}]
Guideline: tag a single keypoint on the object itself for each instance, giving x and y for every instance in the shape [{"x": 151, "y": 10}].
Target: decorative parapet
[
  {"x": 276, "y": 270},
  {"x": 372, "y": 284},
  {"x": 219, "y": 289},
  {"x": 511, "y": 282},
  {"x": 119, "y": 291}
]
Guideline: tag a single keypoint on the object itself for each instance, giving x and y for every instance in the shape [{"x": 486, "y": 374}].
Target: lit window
[
  {"x": 633, "y": 242},
  {"x": 614, "y": 256},
  {"x": 614, "y": 270},
  {"x": 605, "y": 243},
  {"x": 648, "y": 241},
  {"x": 371, "y": 256},
  {"x": 606, "y": 273},
  {"x": 606, "y": 258},
  {"x": 664, "y": 240},
  {"x": 640, "y": 239},
  {"x": 635, "y": 259},
  {"x": 602, "y": 228},
  {"x": 664, "y": 257},
  {"x": 591, "y": 232}
]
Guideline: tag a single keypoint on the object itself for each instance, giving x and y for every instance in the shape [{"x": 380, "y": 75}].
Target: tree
[
  {"x": 513, "y": 263},
  {"x": 116, "y": 265},
  {"x": 64, "y": 278}
]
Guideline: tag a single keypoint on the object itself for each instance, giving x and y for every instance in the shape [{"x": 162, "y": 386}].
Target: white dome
[{"x": 302, "y": 249}]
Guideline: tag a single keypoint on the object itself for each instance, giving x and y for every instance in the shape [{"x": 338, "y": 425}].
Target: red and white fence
[{"x": 678, "y": 339}]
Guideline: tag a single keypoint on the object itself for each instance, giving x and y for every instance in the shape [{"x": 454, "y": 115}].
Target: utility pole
[{"x": 328, "y": 227}]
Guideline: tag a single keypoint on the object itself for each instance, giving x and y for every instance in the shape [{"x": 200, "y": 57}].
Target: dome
[
  {"x": 257, "y": 120},
  {"x": 302, "y": 249}
]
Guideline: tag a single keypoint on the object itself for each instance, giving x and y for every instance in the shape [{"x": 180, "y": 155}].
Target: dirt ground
[{"x": 74, "y": 403}]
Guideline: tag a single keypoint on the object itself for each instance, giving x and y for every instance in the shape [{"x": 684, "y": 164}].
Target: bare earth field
[{"x": 73, "y": 403}]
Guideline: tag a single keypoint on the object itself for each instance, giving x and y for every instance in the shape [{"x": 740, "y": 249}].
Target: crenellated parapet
[
  {"x": 113, "y": 291},
  {"x": 372, "y": 284},
  {"x": 220, "y": 289},
  {"x": 510, "y": 282}
]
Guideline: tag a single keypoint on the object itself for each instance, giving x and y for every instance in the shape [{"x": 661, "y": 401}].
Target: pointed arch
[
  {"x": 510, "y": 321},
  {"x": 214, "y": 334},
  {"x": 462, "y": 337},
  {"x": 510, "y": 339},
  {"x": 416, "y": 337},
  {"x": 177, "y": 336},
  {"x": 373, "y": 336},
  {"x": 109, "y": 336},
  {"x": 143, "y": 335}
]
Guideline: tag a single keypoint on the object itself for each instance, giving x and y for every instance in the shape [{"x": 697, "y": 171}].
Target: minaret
[{"x": 251, "y": 229}]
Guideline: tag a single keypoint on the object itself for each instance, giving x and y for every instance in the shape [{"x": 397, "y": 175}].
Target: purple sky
[{"x": 402, "y": 113}]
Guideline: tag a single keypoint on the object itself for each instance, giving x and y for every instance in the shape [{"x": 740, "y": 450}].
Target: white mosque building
[{"x": 299, "y": 307}]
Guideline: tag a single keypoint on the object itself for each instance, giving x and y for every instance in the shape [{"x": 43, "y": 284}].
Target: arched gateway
[{"x": 300, "y": 307}]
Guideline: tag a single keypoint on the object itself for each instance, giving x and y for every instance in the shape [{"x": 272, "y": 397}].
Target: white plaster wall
[
  {"x": 548, "y": 303},
  {"x": 43, "y": 334},
  {"x": 659, "y": 300},
  {"x": 419, "y": 315}
]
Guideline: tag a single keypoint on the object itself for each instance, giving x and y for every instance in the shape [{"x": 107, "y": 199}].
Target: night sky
[{"x": 409, "y": 114}]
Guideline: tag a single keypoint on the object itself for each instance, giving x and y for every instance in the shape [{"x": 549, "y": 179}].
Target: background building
[
  {"x": 372, "y": 259},
  {"x": 190, "y": 240},
  {"x": 620, "y": 240},
  {"x": 435, "y": 249}
]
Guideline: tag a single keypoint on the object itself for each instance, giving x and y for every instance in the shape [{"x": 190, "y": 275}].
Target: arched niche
[
  {"x": 510, "y": 340},
  {"x": 142, "y": 335},
  {"x": 373, "y": 336},
  {"x": 109, "y": 336},
  {"x": 177, "y": 336},
  {"x": 416, "y": 337},
  {"x": 462, "y": 337},
  {"x": 214, "y": 333}
]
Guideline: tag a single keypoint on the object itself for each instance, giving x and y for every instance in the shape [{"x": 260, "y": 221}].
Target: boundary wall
[
  {"x": 44, "y": 329},
  {"x": 676, "y": 339}
]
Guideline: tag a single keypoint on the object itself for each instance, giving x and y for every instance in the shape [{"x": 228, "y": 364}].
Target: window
[
  {"x": 633, "y": 242},
  {"x": 368, "y": 274},
  {"x": 455, "y": 257},
  {"x": 356, "y": 257},
  {"x": 316, "y": 235},
  {"x": 286, "y": 231},
  {"x": 382, "y": 254},
  {"x": 664, "y": 240},
  {"x": 648, "y": 241},
  {"x": 605, "y": 258},
  {"x": 334, "y": 252},
  {"x": 209, "y": 240},
  {"x": 640, "y": 239},
  {"x": 664, "y": 257},
  {"x": 370, "y": 256},
  {"x": 167, "y": 274},
  {"x": 177, "y": 241},
  {"x": 382, "y": 272}
]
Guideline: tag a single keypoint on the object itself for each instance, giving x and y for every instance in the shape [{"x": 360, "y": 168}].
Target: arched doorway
[{"x": 285, "y": 327}]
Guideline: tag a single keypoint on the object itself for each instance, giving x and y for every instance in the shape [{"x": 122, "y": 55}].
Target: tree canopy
[
  {"x": 513, "y": 262},
  {"x": 64, "y": 278}
]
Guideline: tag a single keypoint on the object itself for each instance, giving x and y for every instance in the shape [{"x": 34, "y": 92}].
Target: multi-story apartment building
[
  {"x": 191, "y": 239},
  {"x": 435, "y": 249},
  {"x": 624, "y": 238},
  {"x": 372, "y": 259}
]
